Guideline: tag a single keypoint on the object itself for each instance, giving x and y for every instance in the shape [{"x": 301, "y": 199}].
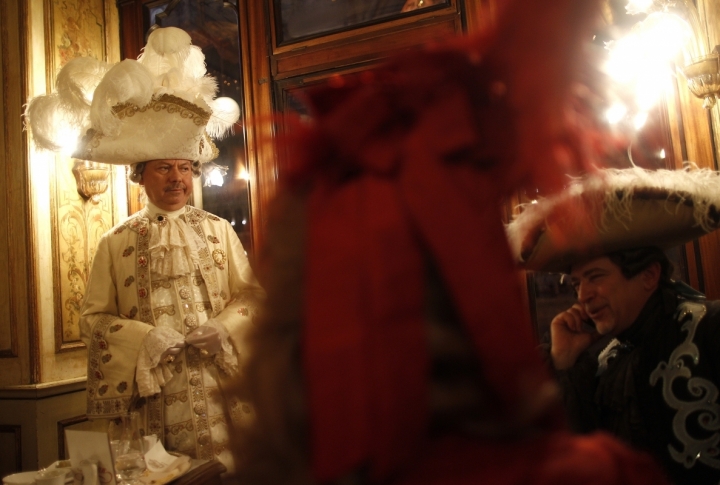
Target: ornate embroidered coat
[
  {"x": 123, "y": 303},
  {"x": 658, "y": 387}
]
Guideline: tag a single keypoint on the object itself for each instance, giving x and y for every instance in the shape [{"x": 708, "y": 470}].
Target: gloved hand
[
  {"x": 158, "y": 349},
  {"x": 169, "y": 355},
  {"x": 207, "y": 338},
  {"x": 212, "y": 338},
  {"x": 163, "y": 344}
]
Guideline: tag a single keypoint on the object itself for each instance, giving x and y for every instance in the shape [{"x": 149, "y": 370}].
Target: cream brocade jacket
[{"x": 123, "y": 303}]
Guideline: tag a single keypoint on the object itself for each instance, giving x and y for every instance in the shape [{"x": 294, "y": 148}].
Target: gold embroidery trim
[{"x": 163, "y": 310}]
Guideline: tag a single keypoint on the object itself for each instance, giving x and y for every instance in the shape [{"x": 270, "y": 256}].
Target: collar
[
  {"x": 154, "y": 211},
  {"x": 663, "y": 302}
]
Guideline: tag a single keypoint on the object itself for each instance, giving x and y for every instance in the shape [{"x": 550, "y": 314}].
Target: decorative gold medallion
[{"x": 219, "y": 257}]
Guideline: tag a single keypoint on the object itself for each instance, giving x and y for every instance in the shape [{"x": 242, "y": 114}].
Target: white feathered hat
[
  {"x": 160, "y": 106},
  {"x": 613, "y": 210}
]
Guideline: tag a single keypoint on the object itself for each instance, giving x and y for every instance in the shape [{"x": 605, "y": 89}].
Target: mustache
[{"x": 175, "y": 185}]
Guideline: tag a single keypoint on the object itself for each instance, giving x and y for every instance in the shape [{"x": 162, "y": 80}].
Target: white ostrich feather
[
  {"x": 169, "y": 82},
  {"x": 191, "y": 89},
  {"x": 168, "y": 40},
  {"x": 194, "y": 65},
  {"x": 76, "y": 83},
  {"x": 89, "y": 91},
  {"x": 157, "y": 65},
  {"x": 225, "y": 112},
  {"x": 207, "y": 88},
  {"x": 615, "y": 189},
  {"x": 171, "y": 48},
  {"x": 126, "y": 82},
  {"x": 44, "y": 115}
]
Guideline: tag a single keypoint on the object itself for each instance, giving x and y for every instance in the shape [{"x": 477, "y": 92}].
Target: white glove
[
  {"x": 158, "y": 349},
  {"x": 208, "y": 337},
  {"x": 212, "y": 338}
]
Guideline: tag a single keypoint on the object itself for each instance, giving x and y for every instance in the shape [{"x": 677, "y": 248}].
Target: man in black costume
[{"x": 638, "y": 355}]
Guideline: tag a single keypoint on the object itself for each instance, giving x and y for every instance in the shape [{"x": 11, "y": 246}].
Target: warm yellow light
[
  {"x": 638, "y": 6},
  {"x": 668, "y": 32},
  {"x": 615, "y": 113},
  {"x": 244, "y": 174},
  {"x": 67, "y": 137},
  {"x": 215, "y": 177},
  {"x": 640, "y": 63},
  {"x": 639, "y": 120}
]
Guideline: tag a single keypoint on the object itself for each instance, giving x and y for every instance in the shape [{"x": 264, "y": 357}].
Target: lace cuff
[{"x": 150, "y": 374}]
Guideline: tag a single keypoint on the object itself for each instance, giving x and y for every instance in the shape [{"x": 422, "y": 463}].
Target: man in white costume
[{"x": 171, "y": 291}]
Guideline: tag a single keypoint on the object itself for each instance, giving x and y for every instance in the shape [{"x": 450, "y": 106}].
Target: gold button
[
  {"x": 191, "y": 320},
  {"x": 184, "y": 293},
  {"x": 194, "y": 381},
  {"x": 199, "y": 409}
]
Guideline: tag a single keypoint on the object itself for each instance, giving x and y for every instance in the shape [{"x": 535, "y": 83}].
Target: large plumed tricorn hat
[
  {"x": 613, "y": 210},
  {"x": 160, "y": 106}
]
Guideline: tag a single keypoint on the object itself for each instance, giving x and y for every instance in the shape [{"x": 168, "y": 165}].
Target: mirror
[{"x": 213, "y": 26}]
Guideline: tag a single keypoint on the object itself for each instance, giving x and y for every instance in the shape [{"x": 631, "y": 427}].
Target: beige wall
[{"x": 48, "y": 232}]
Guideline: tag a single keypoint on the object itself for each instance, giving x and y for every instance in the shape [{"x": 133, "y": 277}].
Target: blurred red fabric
[{"x": 412, "y": 160}]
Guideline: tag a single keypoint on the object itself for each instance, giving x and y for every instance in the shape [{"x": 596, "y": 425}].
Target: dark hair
[
  {"x": 633, "y": 261},
  {"x": 136, "y": 170}
]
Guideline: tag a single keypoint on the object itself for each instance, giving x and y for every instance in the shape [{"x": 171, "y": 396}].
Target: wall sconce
[
  {"x": 701, "y": 68},
  {"x": 703, "y": 78},
  {"x": 91, "y": 179}
]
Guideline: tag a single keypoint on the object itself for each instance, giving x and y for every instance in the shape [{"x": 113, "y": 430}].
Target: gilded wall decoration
[
  {"x": 77, "y": 227},
  {"x": 76, "y": 28}
]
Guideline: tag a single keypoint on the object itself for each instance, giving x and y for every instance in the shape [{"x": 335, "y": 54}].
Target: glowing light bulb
[
  {"x": 638, "y": 6},
  {"x": 216, "y": 178},
  {"x": 640, "y": 63},
  {"x": 615, "y": 113},
  {"x": 640, "y": 119}
]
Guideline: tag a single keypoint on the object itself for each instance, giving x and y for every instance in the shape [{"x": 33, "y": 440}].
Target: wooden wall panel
[
  {"x": 17, "y": 299},
  {"x": 259, "y": 125},
  {"x": 696, "y": 140},
  {"x": 39, "y": 414},
  {"x": 367, "y": 47},
  {"x": 10, "y": 449}
]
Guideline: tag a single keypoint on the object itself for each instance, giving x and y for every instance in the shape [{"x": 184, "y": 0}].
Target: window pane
[{"x": 300, "y": 19}]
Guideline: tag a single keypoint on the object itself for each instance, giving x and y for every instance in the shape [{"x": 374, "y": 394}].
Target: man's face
[
  {"x": 168, "y": 183},
  {"x": 612, "y": 301}
]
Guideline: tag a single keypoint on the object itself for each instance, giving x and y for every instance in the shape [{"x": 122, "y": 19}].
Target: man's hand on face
[{"x": 570, "y": 334}]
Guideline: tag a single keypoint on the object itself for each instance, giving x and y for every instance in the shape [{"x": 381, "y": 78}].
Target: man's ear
[{"x": 651, "y": 276}]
